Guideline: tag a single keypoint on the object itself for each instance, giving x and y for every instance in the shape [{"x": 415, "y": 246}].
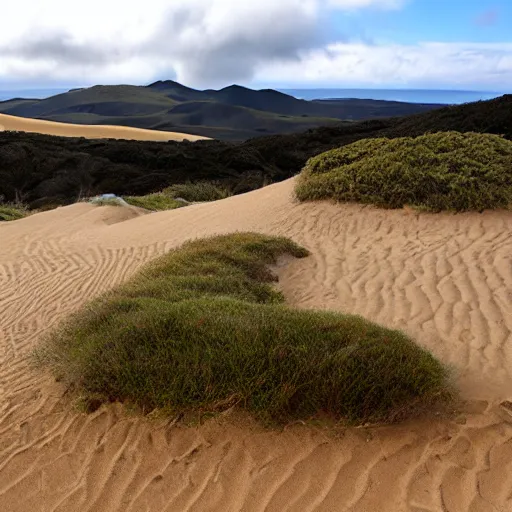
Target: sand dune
[
  {"x": 445, "y": 279},
  {"x": 21, "y": 124}
]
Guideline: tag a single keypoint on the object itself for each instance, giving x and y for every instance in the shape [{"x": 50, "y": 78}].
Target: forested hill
[{"x": 42, "y": 169}]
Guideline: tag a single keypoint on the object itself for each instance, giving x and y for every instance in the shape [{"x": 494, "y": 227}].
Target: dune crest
[
  {"x": 21, "y": 124},
  {"x": 445, "y": 279}
]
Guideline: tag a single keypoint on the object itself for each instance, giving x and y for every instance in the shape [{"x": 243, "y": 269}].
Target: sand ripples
[{"x": 445, "y": 279}]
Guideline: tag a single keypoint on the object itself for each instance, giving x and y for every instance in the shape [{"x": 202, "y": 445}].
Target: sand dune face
[
  {"x": 445, "y": 279},
  {"x": 21, "y": 124}
]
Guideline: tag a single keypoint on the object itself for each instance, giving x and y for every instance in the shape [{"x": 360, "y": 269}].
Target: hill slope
[
  {"x": 105, "y": 100},
  {"x": 171, "y": 106},
  {"x": 44, "y": 169}
]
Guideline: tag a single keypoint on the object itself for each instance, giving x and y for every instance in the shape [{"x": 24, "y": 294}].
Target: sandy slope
[
  {"x": 446, "y": 279},
  {"x": 21, "y": 124}
]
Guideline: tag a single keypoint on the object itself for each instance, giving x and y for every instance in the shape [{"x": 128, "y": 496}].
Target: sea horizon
[{"x": 438, "y": 96}]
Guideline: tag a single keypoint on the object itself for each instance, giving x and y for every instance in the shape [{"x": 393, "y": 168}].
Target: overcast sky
[{"x": 458, "y": 44}]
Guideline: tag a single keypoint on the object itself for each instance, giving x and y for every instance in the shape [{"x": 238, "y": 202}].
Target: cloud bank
[
  {"x": 208, "y": 43},
  {"x": 459, "y": 65}
]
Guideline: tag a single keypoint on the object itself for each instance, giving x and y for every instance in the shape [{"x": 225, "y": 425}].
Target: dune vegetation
[
  {"x": 172, "y": 197},
  {"x": 434, "y": 172},
  {"x": 41, "y": 169},
  {"x": 106, "y": 201},
  {"x": 203, "y": 329},
  {"x": 12, "y": 211},
  {"x": 156, "y": 202},
  {"x": 198, "y": 191}
]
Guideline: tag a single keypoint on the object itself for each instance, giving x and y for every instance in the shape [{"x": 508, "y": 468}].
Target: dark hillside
[
  {"x": 7, "y": 106},
  {"x": 42, "y": 169},
  {"x": 492, "y": 116},
  {"x": 355, "y": 109},
  {"x": 234, "y": 113},
  {"x": 100, "y": 98},
  {"x": 213, "y": 114},
  {"x": 178, "y": 92},
  {"x": 270, "y": 101}
]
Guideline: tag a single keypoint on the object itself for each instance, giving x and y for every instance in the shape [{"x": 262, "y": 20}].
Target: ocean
[
  {"x": 30, "y": 93},
  {"x": 407, "y": 95}
]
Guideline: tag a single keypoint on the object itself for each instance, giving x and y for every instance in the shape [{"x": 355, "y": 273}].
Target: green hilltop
[{"x": 232, "y": 113}]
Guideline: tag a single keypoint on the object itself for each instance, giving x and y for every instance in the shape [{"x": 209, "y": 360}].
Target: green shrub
[
  {"x": 202, "y": 329},
  {"x": 199, "y": 191},
  {"x": 47, "y": 207},
  {"x": 107, "y": 201},
  {"x": 12, "y": 211},
  {"x": 441, "y": 171},
  {"x": 157, "y": 202}
]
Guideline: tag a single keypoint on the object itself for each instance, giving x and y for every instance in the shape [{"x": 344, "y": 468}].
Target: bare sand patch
[
  {"x": 445, "y": 279},
  {"x": 21, "y": 124}
]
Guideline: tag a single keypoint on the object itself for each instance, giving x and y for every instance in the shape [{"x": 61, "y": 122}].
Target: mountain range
[{"x": 233, "y": 113}]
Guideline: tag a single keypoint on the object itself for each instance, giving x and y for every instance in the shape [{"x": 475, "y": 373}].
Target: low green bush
[
  {"x": 203, "y": 329},
  {"x": 106, "y": 201},
  {"x": 441, "y": 171},
  {"x": 156, "y": 202},
  {"x": 12, "y": 211},
  {"x": 198, "y": 191}
]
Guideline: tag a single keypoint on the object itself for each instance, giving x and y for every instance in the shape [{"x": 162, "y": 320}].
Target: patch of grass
[
  {"x": 48, "y": 206},
  {"x": 198, "y": 191},
  {"x": 12, "y": 211},
  {"x": 203, "y": 329},
  {"x": 106, "y": 202},
  {"x": 157, "y": 202},
  {"x": 441, "y": 171}
]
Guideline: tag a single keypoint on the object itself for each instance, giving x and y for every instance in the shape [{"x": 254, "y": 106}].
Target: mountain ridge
[{"x": 152, "y": 107}]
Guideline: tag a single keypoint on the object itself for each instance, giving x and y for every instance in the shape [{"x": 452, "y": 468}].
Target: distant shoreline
[{"x": 433, "y": 96}]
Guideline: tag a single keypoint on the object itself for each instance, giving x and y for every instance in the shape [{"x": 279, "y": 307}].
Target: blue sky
[
  {"x": 445, "y": 44},
  {"x": 478, "y": 21}
]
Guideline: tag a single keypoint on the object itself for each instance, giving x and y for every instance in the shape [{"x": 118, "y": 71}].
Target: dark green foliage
[
  {"x": 107, "y": 201},
  {"x": 493, "y": 116},
  {"x": 202, "y": 329},
  {"x": 442, "y": 171},
  {"x": 199, "y": 191},
  {"x": 12, "y": 211},
  {"x": 40, "y": 169},
  {"x": 157, "y": 202}
]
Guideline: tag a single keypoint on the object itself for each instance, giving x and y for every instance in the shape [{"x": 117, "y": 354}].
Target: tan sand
[
  {"x": 21, "y": 124},
  {"x": 445, "y": 279}
]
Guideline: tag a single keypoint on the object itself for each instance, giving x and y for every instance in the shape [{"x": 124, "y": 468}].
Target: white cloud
[
  {"x": 424, "y": 64},
  {"x": 130, "y": 21},
  {"x": 361, "y": 4},
  {"x": 216, "y": 42},
  {"x": 204, "y": 40}
]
